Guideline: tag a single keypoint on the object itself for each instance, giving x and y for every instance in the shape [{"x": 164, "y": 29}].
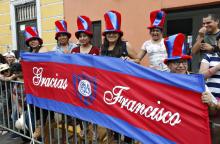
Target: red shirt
[{"x": 93, "y": 51}]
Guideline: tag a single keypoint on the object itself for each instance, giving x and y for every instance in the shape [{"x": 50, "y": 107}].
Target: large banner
[{"x": 151, "y": 106}]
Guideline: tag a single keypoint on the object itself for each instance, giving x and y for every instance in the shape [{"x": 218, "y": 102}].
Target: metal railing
[{"x": 43, "y": 126}]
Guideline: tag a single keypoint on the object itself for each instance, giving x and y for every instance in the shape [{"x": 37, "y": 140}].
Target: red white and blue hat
[
  {"x": 112, "y": 22},
  {"x": 84, "y": 25},
  {"x": 176, "y": 48},
  {"x": 157, "y": 19},
  {"x": 61, "y": 27},
  {"x": 30, "y": 34}
]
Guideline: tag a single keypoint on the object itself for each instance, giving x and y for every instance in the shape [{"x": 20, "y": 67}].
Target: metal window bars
[{"x": 26, "y": 12}]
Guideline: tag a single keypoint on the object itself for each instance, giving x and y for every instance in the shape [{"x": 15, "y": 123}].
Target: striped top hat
[
  {"x": 61, "y": 27},
  {"x": 157, "y": 19},
  {"x": 176, "y": 48},
  {"x": 112, "y": 22},
  {"x": 30, "y": 34},
  {"x": 84, "y": 25}
]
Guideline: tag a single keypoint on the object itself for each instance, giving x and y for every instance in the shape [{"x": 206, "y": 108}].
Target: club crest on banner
[{"x": 85, "y": 87}]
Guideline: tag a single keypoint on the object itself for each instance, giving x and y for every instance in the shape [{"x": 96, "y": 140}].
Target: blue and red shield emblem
[{"x": 85, "y": 87}]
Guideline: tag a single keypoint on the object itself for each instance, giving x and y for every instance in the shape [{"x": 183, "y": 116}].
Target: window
[
  {"x": 25, "y": 14},
  {"x": 97, "y": 37}
]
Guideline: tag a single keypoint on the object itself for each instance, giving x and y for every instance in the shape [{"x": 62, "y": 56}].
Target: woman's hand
[{"x": 206, "y": 98}]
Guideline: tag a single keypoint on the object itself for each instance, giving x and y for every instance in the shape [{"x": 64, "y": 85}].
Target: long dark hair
[
  {"x": 39, "y": 46},
  {"x": 2, "y": 59},
  {"x": 117, "y": 51},
  {"x": 31, "y": 49}
]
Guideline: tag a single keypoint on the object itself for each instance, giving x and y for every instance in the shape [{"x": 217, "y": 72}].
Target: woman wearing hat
[
  {"x": 4, "y": 71},
  {"x": 84, "y": 35},
  {"x": 33, "y": 41},
  {"x": 62, "y": 36},
  {"x": 155, "y": 48},
  {"x": 113, "y": 44},
  {"x": 10, "y": 58}
]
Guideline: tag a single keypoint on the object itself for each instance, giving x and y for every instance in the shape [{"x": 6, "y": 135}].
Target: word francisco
[{"x": 157, "y": 114}]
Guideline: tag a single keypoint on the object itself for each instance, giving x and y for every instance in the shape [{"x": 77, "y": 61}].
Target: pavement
[{"x": 6, "y": 139}]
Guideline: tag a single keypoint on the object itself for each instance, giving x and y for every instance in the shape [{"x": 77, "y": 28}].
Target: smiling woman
[
  {"x": 155, "y": 48},
  {"x": 84, "y": 35},
  {"x": 62, "y": 36},
  {"x": 113, "y": 44},
  {"x": 33, "y": 41}
]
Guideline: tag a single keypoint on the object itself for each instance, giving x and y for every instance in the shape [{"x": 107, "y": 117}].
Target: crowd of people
[{"x": 164, "y": 54}]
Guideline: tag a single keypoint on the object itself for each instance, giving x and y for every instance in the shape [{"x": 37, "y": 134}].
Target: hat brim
[
  {"x": 184, "y": 57},
  {"x": 82, "y": 31},
  {"x": 58, "y": 33},
  {"x": 5, "y": 68},
  {"x": 38, "y": 38},
  {"x": 152, "y": 27},
  {"x": 108, "y": 31}
]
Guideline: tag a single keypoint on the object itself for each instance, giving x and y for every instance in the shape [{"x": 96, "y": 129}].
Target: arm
[
  {"x": 196, "y": 47},
  {"x": 209, "y": 99},
  {"x": 43, "y": 49},
  {"x": 141, "y": 55},
  {"x": 208, "y": 72},
  {"x": 132, "y": 55},
  {"x": 136, "y": 57}
]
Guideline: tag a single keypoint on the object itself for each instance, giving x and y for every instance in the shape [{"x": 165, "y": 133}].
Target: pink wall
[
  {"x": 186, "y": 3},
  {"x": 135, "y": 14}
]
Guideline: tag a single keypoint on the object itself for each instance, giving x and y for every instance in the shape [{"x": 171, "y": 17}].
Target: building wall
[
  {"x": 51, "y": 10},
  {"x": 135, "y": 14},
  {"x": 135, "y": 17},
  {"x": 167, "y": 4},
  {"x": 5, "y": 29}
]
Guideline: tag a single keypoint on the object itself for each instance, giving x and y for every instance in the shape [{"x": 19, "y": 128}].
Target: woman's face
[
  {"x": 63, "y": 39},
  {"x": 34, "y": 43},
  {"x": 112, "y": 37},
  {"x": 84, "y": 39},
  {"x": 10, "y": 59},
  {"x": 156, "y": 34}
]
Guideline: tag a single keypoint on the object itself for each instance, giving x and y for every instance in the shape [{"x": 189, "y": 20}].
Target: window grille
[{"x": 26, "y": 12}]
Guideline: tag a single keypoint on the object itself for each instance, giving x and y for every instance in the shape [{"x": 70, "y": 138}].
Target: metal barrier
[{"x": 47, "y": 127}]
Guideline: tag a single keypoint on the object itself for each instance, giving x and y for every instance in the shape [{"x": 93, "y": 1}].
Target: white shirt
[
  {"x": 156, "y": 53},
  {"x": 59, "y": 49}
]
